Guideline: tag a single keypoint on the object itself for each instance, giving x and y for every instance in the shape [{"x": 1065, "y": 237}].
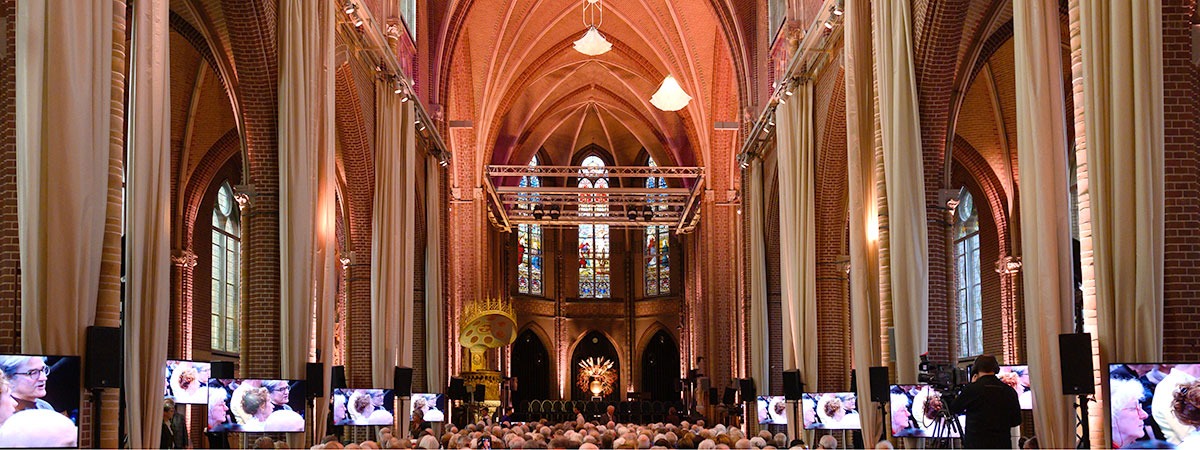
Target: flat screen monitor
[
  {"x": 187, "y": 381},
  {"x": 433, "y": 406},
  {"x": 772, "y": 410},
  {"x": 915, "y": 413},
  {"x": 252, "y": 405},
  {"x": 44, "y": 391},
  {"x": 1154, "y": 402},
  {"x": 363, "y": 406},
  {"x": 830, "y": 411},
  {"x": 1018, "y": 378}
]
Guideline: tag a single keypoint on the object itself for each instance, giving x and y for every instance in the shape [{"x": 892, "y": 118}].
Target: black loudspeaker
[
  {"x": 457, "y": 390},
  {"x": 714, "y": 396},
  {"x": 879, "y": 384},
  {"x": 749, "y": 392},
  {"x": 222, "y": 370},
  {"x": 1075, "y": 356},
  {"x": 480, "y": 392},
  {"x": 337, "y": 378},
  {"x": 403, "y": 380},
  {"x": 315, "y": 379},
  {"x": 730, "y": 397},
  {"x": 793, "y": 388},
  {"x": 103, "y": 358}
]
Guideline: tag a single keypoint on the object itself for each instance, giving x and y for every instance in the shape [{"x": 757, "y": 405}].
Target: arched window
[
  {"x": 658, "y": 244},
  {"x": 594, "y": 280},
  {"x": 967, "y": 286},
  {"x": 226, "y": 225},
  {"x": 529, "y": 242}
]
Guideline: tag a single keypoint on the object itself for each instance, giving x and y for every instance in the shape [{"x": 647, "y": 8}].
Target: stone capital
[
  {"x": 183, "y": 258},
  {"x": 1008, "y": 265}
]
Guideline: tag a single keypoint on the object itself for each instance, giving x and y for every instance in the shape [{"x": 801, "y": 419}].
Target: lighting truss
[{"x": 626, "y": 207}]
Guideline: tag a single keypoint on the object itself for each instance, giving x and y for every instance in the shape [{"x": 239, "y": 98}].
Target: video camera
[{"x": 947, "y": 379}]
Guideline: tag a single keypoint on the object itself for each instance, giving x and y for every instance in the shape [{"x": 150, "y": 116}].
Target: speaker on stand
[
  {"x": 314, "y": 380},
  {"x": 1075, "y": 364},
  {"x": 878, "y": 377},
  {"x": 793, "y": 391},
  {"x": 402, "y": 389}
]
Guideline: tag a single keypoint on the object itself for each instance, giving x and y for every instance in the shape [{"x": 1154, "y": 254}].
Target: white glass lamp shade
[
  {"x": 593, "y": 43},
  {"x": 670, "y": 96}
]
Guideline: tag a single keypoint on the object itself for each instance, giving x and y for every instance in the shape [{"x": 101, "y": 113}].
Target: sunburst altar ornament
[{"x": 596, "y": 376}]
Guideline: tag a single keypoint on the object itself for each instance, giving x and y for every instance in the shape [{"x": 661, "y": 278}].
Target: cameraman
[{"x": 991, "y": 407}]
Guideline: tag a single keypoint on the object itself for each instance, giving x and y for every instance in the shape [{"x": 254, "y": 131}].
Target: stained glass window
[
  {"x": 529, "y": 242},
  {"x": 225, "y": 269},
  {"x": 594, "y": 277},
  {"x": 658, "y": 244},
  {"x": 967, "y": 286}
]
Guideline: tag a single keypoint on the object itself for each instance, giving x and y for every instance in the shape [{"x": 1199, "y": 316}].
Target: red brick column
[
  {"x": 10, "y": 253},
  {"x": 252, "y": 36}
]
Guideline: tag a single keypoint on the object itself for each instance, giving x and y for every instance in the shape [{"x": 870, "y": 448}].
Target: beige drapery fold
[
  {"x": 1123, "y": 115},
  {"x": 64, "y": 96},
  {"x": 760, "y": 344},
  {"x": 904, "y": 177},
  {"x": 306, "y": 174},
  {"x": 392, "y": 235},
  {"x": 435, "y": 335},
  {"x": 1045, "y": 211},
  {"x": 148, "y": 227},
  {"x": 860, "y": 168},
  {"x": 796, "y": 157}
]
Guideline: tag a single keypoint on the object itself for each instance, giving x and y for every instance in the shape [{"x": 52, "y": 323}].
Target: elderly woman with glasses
[{"x": 27, "y": 374}]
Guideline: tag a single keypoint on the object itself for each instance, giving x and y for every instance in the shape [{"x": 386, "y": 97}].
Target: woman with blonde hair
[
  {"x": 1186, "y": 406},
  {"x": 257, "y": 404}
]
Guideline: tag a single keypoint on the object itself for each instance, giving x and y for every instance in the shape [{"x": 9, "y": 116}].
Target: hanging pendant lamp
[
  {"x": 592, "y": 43},
  {"x": 670, "y": 96}
]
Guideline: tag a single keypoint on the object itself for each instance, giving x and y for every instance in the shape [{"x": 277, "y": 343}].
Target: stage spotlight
[
  {"x": 538, "y": 213},
  {"x": 647, "y": 213},
  {"x": 555, "y": 212},
  {"x": 631, "y": 213}
]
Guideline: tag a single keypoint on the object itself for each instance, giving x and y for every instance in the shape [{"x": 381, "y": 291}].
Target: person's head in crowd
[
  {"x": 986, "y": 365},
  {"x": 279, "y": 391},
  {"x": 780, "y": 440},
  {"x": 370, "y": 444},
  {"x": 827, "y": 442},
  {"x": 1186, "y": 404},
  {"x": 264, "y": 442},
  {"x": 38, "y": 428},
  {"x": 28, "y": 377},
  {"x": 284, "y": 420},
  {"x": 884, "y": 445},
  {"x": 280, "y": 445},
  {"x": 257, "y": 403},
  {"x": 8, "y": 405},
  {"x": 834, "y": 408},
  {"x": 188, "y": 378},
  {"x": 363, "y": 405},
  {"x": 218, "y": 410},
  {"x": 352, "y": 445},
  {"x": 335, "y": 445},
  {"x": 168, "y": 409},
  {"x": 1127, "y": 413},
  {"x": 901, "y": 416},
  {"x": 329, "y": 438},
  {"x": 1030, "y": 443}
]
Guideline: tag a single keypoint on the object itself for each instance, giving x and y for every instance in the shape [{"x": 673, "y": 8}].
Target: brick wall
[
  {"x": 833, "y": 300},
  {"x": 10, "y": 262},
  {"x": 1181, "y": 288}
]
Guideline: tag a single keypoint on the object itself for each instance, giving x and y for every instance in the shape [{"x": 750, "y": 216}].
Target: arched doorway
[
  {"x": 594, "y": 345},
  {"x": 531, "y": 366},
  {"x": 660, "y": 367}
]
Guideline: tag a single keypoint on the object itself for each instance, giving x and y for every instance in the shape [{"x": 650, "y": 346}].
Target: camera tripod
[{"x": 946, "y": 428}]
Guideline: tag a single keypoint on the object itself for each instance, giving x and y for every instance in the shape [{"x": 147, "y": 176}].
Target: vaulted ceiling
[{"x": 509, "y": 70}]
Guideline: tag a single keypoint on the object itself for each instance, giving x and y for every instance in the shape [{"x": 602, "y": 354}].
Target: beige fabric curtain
[
  {"x": 860, "y": 171},
  {"x": 305, "y": 163},
  {"x": 1045, "y": 211},
  {"x": 760, "y": 345},
  {"x": 797, "y": 233},
  {"x": 392, "y": 235},
  {"x": 1123, "y": 115},
  {"x": 904, "y": 176},
  {"x": 64, "y": 95},
  {"x": 435, "y": 335},
  {"x": 148, "y": 227}
]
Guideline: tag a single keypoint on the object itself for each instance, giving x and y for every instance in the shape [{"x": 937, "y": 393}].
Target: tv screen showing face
[
  {"x": 242, "y": 405},
  {"x": 1154, "y": 402},
  {"x": 1018, "y": 378},
  {"x": 772, "y": 410},
  {"x": 916, "y": 412},
  {"x": 432, "y": 406},
  {"x": 187, "y": 382},
  {"x": 363, "y": 406},
  {"x": 39, "y": 401},
  {"x": 830, "y": 411}
]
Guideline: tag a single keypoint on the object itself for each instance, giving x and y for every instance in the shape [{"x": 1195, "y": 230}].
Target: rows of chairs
[{"x": 627, "y": 411}]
